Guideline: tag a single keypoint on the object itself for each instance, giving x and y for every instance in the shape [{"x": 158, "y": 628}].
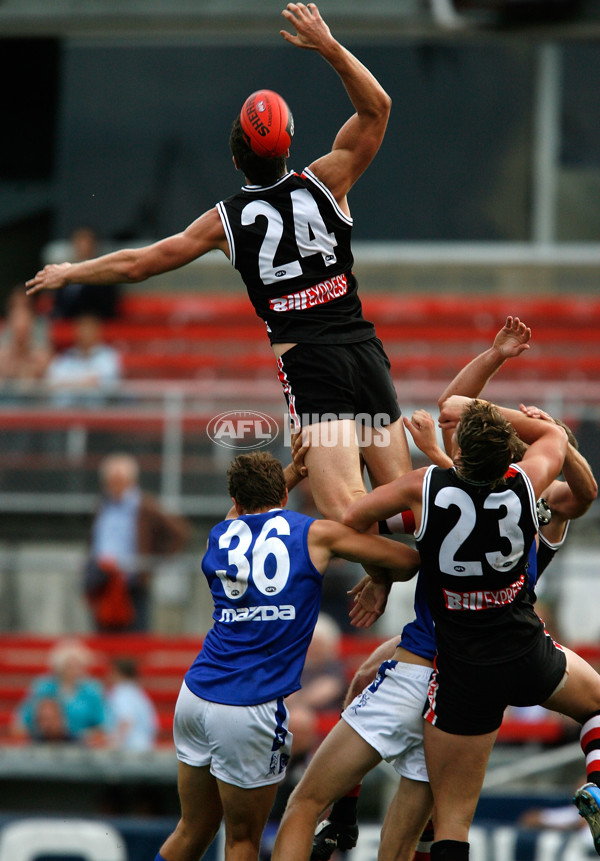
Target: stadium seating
[
  {"x": 183, "y": 336},
  {"x": 162, "y": 662}
]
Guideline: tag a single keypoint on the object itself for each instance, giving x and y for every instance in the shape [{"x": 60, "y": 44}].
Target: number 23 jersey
[
  {"x": 266, "y": 594},
  {"x": 474, "y": 544},
  {"x": 290, "y": 242}
]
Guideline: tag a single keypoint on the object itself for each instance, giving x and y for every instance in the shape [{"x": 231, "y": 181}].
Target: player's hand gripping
[
  {"x": 513, "y": 338},
  {"x": 51, "y": 277},
  {"x": 535, "y": 413},
  {"x": 311, "y": 31},
  {"x": 370, "y": 599},
  {"x": 300, "y": 445},
  {"x": 451, "y": 411}
]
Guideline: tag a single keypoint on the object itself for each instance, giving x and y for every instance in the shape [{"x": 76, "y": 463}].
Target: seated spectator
[
  {"x": 129, "y": 534},
  {"x": 88, "y": 371},
  {"x": 77, "y": 299},
  {"x": 323, "y": 679},
  {"x": 48, "y": 722},
  {"x": 78, "y": 694},
  {"x": 24, "y": 350},
  {"x": 133, "y": 717}
]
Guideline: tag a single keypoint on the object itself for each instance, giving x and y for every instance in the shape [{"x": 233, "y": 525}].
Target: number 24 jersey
[{"x": 290, "y": 243}]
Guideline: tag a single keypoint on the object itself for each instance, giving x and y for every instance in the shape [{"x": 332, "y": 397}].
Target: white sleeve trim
[
  {"x": 310, "y": 176},
  {"x": 425, "y": 503},
  {"x": 530, "y": 493},
  {"x": 228, "y": 231},
  {"x": 554, "y": 545}
]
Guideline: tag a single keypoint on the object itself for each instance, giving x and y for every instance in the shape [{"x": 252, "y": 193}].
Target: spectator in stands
[
  {"x": 76, "y": 692},
  {"x": 134, "y": 720},
  {"x": 129, "y": 533},
  {"x": 88, "y": 371},
  {"x": 49, "y": 723},
  {"x": 78, "y": 299},
  {"x": 323, "y": 680},
  {"x": 24, "y": 349}
]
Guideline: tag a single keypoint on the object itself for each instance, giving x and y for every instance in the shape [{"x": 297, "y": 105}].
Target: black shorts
[
  {"x": 325, "y": 382},
  {"x": 469, "y": 699}
]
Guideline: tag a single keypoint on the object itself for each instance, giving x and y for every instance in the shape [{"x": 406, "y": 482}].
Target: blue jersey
[{"x": 266, "y": 594}]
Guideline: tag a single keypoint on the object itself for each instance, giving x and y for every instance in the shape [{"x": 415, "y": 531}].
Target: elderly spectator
[
  {"x": 130, "y": 532},
  {"x": 88, "y": 371},
  {"x": 69, "y": 683}
]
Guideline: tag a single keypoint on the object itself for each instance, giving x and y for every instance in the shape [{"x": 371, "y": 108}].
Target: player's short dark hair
[
  {"x": 488, "y": 444},
  {"x": 570, "y": 435},
  {"x": 259, "y": 170},
  {"x": 256, "y": 481}
]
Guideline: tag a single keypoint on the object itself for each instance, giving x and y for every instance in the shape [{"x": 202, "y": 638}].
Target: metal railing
[{"x": 49, "y": 456}]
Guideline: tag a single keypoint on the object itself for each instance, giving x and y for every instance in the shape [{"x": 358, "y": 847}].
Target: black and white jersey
[
  {"x": 474, "y": 544},
  {"x": 547, "y": 550},
  {"x": 291, "y": 244}
]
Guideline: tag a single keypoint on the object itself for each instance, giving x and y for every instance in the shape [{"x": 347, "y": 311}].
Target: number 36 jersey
[
  {"x": 266, "y": 594},
  {"x": 474, "y": 544},
  {"x": 290, "y": 243}
]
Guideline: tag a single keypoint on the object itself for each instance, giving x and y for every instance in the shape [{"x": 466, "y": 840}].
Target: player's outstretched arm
[
  {"x": 131, "y": 265},
  {"x": 380, "y": 504},
  {"x": 512, "y": 340},
  {"x": 326, "y": 539},
  {"x": 571, "y": 498},
  {"x": 360, "y": 137}
]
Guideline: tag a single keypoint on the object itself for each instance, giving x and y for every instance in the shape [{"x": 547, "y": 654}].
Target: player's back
[
  {"x": 291, "y": 243},
  {"x": 474, "y": 543},
  {"x": 266, "y": 593}
]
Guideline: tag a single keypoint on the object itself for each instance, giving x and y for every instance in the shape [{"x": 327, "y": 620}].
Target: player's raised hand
[
  {"x": 51, "y": 277},
  {"x": 513, "y": 338},
  {"x": 451, "y": 411},
  {"x": 311, "y": 30},
  {"x": 421, "y": 427}
]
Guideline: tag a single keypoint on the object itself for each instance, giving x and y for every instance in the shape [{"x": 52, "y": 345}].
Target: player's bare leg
[
  {"x": 334, "y": 466},
  {"x": 246, "y": 812},
  {"x": 334, "y": 463},
  {"x": 368, "y": 669},
  {"x": 339, "y": 828},
  {"x": 406, "y": 817},
  {"x": 385, "y": 452},
  {"x": 344, "y": 757},
  {"x": 201, "y": 815},
  {"x": 580, "y": 695},
  {"x": 456, "y": 766}
]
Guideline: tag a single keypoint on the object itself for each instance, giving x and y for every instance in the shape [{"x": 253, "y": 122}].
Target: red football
[{"x": 268, "y": 123}]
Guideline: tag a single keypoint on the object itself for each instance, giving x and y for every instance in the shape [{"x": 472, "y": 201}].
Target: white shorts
[
  {"x": 388, "y": 714},
  {"x": 248, "y": 746}
]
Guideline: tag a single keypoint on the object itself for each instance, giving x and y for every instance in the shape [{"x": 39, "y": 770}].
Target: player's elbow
[
  {"x": 385, "y": 105},
  {"x": 589, "y": 494},
  {"x": 136, "y": 271},
  {"x": 350, "y": 518}
]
